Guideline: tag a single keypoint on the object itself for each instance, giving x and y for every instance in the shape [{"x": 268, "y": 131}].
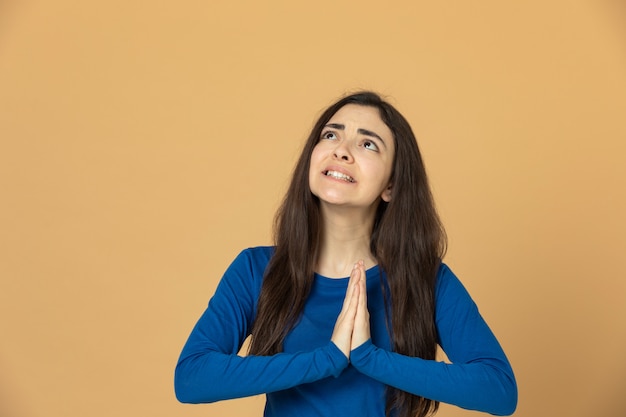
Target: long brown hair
[{"x": 408, "y": 241}]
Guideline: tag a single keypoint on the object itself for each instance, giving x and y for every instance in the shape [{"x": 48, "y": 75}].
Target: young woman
[{"x": 347, "y": 309}]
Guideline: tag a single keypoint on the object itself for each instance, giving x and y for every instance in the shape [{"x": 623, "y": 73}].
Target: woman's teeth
[{"x": 339, "y": 176}]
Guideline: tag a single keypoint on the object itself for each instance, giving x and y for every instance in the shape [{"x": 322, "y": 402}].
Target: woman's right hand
[{"x": 342, "y": 333}]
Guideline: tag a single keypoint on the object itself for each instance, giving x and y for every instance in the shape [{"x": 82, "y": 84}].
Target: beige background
[{"x": 143, "y": 144}]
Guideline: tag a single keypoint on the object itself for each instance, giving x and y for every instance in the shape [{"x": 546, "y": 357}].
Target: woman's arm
[
  {"x": 480, "y": 376},
  {"x": 209, "y": 368}
]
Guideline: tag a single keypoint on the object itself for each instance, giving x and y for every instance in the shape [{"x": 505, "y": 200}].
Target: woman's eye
[
  {"x": 368, "y": 144},
  {"x": 329, "y": 135}
]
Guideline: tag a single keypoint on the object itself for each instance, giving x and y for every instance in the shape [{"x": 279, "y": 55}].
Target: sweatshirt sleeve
[
  {"x": 209, "y": 368},
  {"x": 479, "y": 377}
]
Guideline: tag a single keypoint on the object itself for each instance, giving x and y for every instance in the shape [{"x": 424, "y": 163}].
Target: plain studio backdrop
[{"x": 144, "y": 144}]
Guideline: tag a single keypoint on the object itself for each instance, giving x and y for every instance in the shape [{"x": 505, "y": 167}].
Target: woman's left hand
[{"x": 361, "y": 331}]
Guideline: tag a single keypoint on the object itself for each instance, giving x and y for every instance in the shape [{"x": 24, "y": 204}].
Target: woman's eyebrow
[
  {"x": 365, "y": 132},
  {"x": 336, "y": 126},
  {"x": 372, "y": 134}
]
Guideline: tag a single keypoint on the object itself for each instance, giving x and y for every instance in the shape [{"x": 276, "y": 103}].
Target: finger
[
  {"x": 353, "y": 285},
  {"x": 344, "y": 326},
  {"x": 361, "y": 330},
  {"x": 350, "y": 302},
  {"x": 363, "y": 283}
]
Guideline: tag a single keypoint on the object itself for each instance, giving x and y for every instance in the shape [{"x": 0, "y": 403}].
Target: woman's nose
[{"x": 342, "y": 152}]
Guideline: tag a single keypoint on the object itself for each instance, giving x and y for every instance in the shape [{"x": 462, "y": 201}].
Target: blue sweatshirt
[{"x": 313, "y": 378}]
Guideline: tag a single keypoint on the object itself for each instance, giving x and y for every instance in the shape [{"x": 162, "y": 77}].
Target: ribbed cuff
[{"x": 338, "y": 359}]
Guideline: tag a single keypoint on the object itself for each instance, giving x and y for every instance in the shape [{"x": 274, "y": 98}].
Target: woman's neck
[{"x": 345, "y": 240}]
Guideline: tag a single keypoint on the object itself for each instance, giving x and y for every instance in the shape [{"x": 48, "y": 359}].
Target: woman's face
[{"x": 351, "y": 164}]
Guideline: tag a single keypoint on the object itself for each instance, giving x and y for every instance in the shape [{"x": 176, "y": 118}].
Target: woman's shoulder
[
  {"x": 448, "y": 282},
  {"x": 246, "y": 271},
  {"x": 258, "y": 253},
  {"x": 253, "y": 259},
  {"x": 451, "y": 293}
]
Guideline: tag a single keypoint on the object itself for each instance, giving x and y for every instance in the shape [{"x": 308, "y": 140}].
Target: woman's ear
[{"x": 386, "y": 195}]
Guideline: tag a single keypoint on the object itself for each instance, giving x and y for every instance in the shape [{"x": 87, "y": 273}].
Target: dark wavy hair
[{"x": 408, "y": 241}]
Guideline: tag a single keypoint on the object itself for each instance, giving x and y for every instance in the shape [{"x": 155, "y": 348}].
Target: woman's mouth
[{"x": 338, "y": 175}]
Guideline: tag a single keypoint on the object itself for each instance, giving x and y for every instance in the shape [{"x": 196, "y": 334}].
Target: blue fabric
[{"x": 313, "y": 378}]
